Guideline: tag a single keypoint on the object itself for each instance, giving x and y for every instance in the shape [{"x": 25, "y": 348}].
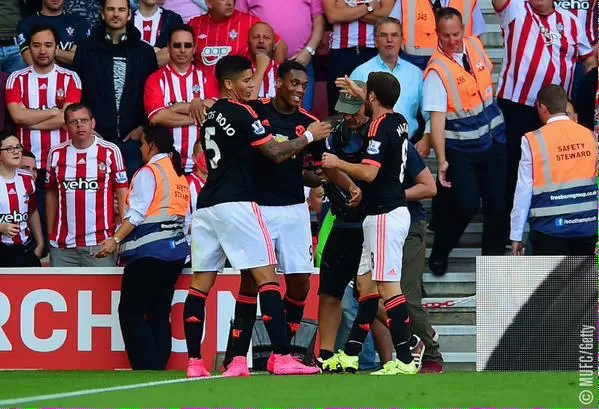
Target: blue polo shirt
[{"x": 411, "y": 81}]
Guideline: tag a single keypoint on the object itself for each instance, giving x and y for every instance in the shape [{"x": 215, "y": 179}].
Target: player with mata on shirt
[
  {"x": 386, "y": 225},
  {"x": 18, "y": 209},
  {"x": 229, "y": 223}
]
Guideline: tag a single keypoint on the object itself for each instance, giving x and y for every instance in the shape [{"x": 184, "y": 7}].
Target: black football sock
[
  {"x": 397, "y": 313},
  {"x": 367, "y": 309},
  {"x": 294, "y": 312},
  {"x": 240, "y": 335},
  {"x": 325, "y": 354},
  {"x": 193, "y": 321},
  {"x": 273, "y": 317}
]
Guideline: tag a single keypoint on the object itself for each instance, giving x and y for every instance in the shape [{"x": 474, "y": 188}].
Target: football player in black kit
[
  {"x": 387, "y": 223},
  {"x": 228, "y": 222},
  {"x": 283, "y": 204}
]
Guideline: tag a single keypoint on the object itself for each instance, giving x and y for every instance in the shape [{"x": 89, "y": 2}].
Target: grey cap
[{"x": 348, "y": 104}]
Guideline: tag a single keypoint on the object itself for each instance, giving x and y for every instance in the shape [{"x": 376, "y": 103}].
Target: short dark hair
[
  {"x": 76, "y": 107},
  {"x": 231, "y": 67},
  {"x": 554, "y": 97},
  {"x": 385, "y": 87},
  {"x": 28, "y": 154},
  {"x": 182, "y": 27},
  {"x": 386, "y": 20},
  {"x": 38, "y": 28},
  {"x": 5, "y": 135},
  {"x": 445, "y": 13},
  {"x": 288, "y": 66},
  {"x": 104, "y": 4}
]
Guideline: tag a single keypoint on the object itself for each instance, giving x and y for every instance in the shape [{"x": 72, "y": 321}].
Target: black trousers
[
  {"x": 473, "y": 176},
  {"x": 545, "y": 245},
  {"x": 18, "y": 255},
  {"x": 147, "y": 292},
  {"x": 342, "y": 62},
  {"x": 519, "y": 119}
]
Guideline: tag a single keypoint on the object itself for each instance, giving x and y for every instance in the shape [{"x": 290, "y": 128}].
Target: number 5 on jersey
[{"x": 211, "y": 145}]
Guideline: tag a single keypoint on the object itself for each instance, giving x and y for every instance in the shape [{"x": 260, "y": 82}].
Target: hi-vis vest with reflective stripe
[
  {"x": 418, "y": 22},
  {"x": 564, "y": 169},
  {"x": 161, "y": 233},
  {"x": 472, "y": 112}
]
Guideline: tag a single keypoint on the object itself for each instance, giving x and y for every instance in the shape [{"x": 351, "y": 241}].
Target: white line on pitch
[{"x": 17, "y": 401}]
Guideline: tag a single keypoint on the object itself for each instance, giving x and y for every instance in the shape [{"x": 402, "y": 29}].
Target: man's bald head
[{"x": 262, "y": 39}]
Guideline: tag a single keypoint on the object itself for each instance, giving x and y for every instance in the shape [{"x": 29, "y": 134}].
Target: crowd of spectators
[{"x": 152, "y": 61}]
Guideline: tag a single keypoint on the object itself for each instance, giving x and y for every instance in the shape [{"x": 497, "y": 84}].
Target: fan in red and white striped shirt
[
  {"x": 586, "y": 11},
  {"x": 165, "y": 88},
  {"x": 262, "y": 41},
  {"x": 224, "y": 32},
  {"x": 49, "y": 92},
  {"x": 86, "y": 181},
  {"x": 539, "y": 50},
  {"x": 170, "y": 91},
  {"x": 17, "y": 203}
]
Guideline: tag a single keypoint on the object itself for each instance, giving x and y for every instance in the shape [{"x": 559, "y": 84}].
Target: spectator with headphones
[{"x": 115, "y": 54}]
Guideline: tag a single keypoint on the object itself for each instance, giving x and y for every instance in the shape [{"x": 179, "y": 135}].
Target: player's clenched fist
[
  {"x": 330, "y": 161},
  {"x": 320, "y": 130}
]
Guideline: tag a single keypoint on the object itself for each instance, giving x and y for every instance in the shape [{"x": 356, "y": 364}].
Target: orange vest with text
[
  {"x": 564, "y": 169},
  {"x": 473, "y": 116},
  {"x": 418, "y": 21},
  {"x": 161, "y": 233}
]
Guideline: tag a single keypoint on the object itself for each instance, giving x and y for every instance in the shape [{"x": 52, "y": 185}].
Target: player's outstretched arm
[{"x": 281, "y": 151}]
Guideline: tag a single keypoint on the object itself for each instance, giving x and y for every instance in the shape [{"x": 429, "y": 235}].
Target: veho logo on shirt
[
  {"x": 14, "y": 217},
  {"x": 80, "y": 184},
  {"x": 574, "y": 4}
]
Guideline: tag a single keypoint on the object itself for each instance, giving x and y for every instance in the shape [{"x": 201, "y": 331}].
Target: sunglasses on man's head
[{"x": 185, "y": 45}]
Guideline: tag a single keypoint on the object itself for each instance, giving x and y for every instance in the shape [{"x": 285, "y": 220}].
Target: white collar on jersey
[{"x": 559, "y": 117}]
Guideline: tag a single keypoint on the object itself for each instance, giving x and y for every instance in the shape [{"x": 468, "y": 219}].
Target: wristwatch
[
  {"x": 116, "y": 239},
  {"x": 369, "y": 8},
  {"x": 310, "y": 50}
]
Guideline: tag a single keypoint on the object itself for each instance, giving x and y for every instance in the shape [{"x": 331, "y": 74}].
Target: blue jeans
[
  {"x": 368, "y": 358},
  {"x": 308, "y": 100},
  {"x": 579, "y": 75},
  {"x": 10, "y": 59},
  {"x": 131, "y": 156}
]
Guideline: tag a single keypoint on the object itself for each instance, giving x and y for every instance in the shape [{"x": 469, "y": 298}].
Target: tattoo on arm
[{"x": 279, "y": 152}]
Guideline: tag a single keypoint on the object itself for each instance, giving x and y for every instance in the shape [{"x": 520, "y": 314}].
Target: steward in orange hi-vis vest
[
  {"x": 418, "y": 21},
  {"x": 473, "y": 116},
  {"x": 161, "y": 233},
  {"x": 564, "y": 169}
]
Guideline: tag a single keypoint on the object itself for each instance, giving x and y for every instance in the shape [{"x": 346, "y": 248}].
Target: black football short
[{"x": 340, "y": 260}]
